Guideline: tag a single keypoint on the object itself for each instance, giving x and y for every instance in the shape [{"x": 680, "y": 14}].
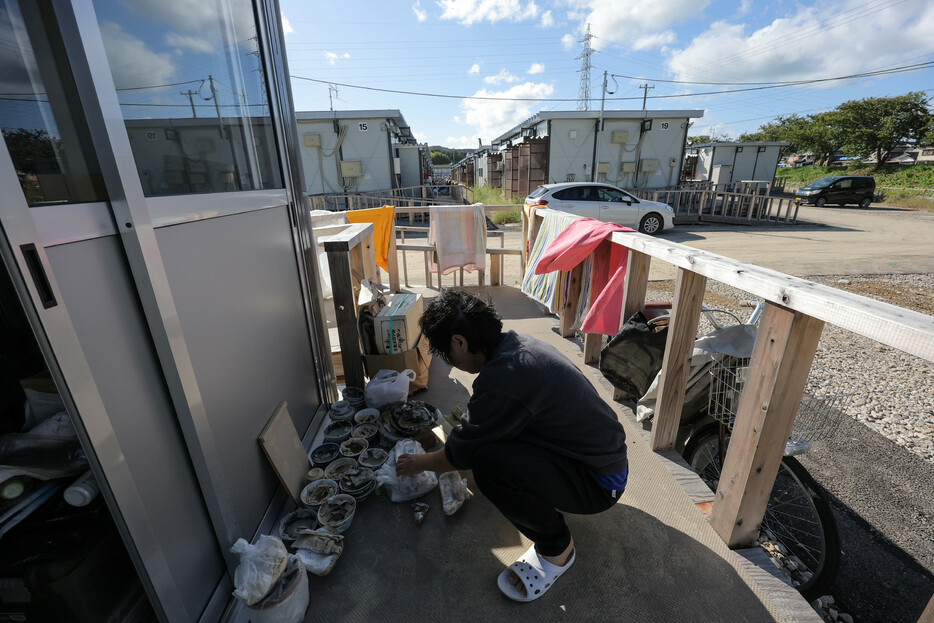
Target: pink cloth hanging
[{"x": 571, "y": 247}]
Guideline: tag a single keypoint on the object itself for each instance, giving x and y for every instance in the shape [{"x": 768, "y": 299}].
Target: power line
[{"x": 882, "y": 72}]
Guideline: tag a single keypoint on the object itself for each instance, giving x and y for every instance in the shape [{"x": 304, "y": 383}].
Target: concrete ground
[{"x": 652, "y": 557}]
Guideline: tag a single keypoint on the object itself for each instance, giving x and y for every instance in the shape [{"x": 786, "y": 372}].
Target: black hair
[{"x": 455, "y": 312}]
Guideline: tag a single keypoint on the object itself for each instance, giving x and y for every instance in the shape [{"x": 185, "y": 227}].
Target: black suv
[{"x": 840, "y": 189}]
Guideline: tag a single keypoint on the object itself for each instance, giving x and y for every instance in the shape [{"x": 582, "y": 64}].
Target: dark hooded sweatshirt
[{"x": 528, "y": 392}]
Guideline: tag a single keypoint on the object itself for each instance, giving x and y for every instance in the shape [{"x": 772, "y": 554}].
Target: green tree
[
  {"x": 439, "y": 157},
  {"x": 699, "y": 139},
  {"x": 818, "y": 134},
  {"x": 876, "y": 125}
]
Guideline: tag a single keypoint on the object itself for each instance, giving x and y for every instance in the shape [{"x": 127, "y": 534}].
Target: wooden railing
[
  {"x": 408, "y": 196},
  {"x": 787, "y": 337},
  {"x": 724, "y": 207}
]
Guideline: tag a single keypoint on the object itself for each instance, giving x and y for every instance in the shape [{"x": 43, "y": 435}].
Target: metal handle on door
[{"x": 39, "y": 278}]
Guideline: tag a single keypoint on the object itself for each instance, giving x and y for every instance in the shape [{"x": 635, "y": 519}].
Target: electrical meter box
[
  {"x": 649, "y": 165},
  {"x": 603, "y": 167},
  {"x": 619, "y": 137},
  {"x": 627, "y": 167},
  {"x": 397, "y": 165},
  {"x": 312, "y": 140},
  {"x": 351, "y": 168}
]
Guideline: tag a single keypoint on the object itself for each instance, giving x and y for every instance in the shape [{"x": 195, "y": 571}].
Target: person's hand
[{"x": 409, "y": 465}]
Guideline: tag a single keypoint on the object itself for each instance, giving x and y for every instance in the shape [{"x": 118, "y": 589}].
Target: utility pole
[
  {"x": 217, "y": 106},
  {"x": 645, "y": 94},
  {"x": 332, "y": 91},
  {"x": 603, "y": 100},
  {"x": 189, "y": 93}
]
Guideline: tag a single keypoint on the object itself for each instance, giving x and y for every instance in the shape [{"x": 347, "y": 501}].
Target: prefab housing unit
[
  {"x": 351, "y": 151},
  {"x": 156, "y": 287},
  {"x": 632, "y": 149},
  {"x": 725, "y": 163}
]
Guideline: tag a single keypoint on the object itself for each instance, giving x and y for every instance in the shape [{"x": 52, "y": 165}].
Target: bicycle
[{"x": 798, "y": 530}]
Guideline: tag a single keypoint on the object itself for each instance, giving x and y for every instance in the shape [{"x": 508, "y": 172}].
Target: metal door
[{"x": 158, "y": 245}]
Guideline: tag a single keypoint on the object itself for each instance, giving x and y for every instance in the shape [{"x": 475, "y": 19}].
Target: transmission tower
[{"x": 583, "y": 95}]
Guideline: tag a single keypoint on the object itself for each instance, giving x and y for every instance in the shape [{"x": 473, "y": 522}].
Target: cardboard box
[
  {"x": 396, "y": 325},
  {"x": 417, "y": 359}
]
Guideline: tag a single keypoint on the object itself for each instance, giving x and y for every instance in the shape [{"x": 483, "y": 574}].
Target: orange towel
[{"x": 382, "y": 219}]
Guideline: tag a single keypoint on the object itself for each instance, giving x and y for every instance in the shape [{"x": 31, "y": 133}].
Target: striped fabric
[{"x": 551, "y": 289}]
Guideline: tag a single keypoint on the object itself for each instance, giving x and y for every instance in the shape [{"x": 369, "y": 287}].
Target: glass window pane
[
  {"x": 42, "y": 124},
  {"x": 192, "y": 91}
]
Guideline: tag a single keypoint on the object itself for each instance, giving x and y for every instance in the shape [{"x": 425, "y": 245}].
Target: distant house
[
  {"x": 725, "y": 163},
  {"x": 926, "y": 155},
  {"x": 351, "y": 151}
]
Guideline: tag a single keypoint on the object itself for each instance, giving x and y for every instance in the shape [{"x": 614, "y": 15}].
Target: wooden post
[
  {"x": 496, "y": 274},
  {"x": 676, "y": 365},
  {"x": 368, "y": 257},
  {"x": 928, "y": 615},
  {"x": 569, "y": 311},
  {"x": 637, "y": 281},
  {"x": 593, "y": 342},
  {"x": 393, "y": 259},
  {"x": 781, "y": 359}
]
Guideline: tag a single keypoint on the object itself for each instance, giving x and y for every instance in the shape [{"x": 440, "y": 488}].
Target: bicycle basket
[{"x": 819, "y": 414}]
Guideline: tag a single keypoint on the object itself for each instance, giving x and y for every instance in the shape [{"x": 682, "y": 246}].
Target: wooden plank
[
  {"x": 345, "y": 310},
  {"x": 904, "y": 329},
  {"x": 781, "y": 359},
  {"x": 285, "y": 453},
  {"x": 637, "y": 281},
  {"x": 593, "y": 342},
  {"x": 347, "y": 239},
  {"x": 676, "y": 365},
  {"x": 569, "y": 311},
  {"x": 496, "y": 273},
  {"x": 393, "y": 260},
  {"x": 928, "y": 615},
  {"x": 368, "y": 253}
]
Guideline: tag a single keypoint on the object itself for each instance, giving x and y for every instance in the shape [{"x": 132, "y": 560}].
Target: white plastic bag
[
  {"x": 288, "y": 599},
  {"x": 454, "y": 492},
  {"x": 405, "y": 488},
  {"x": 260, "y": 566},
  {"x": 388, "y": 386}
]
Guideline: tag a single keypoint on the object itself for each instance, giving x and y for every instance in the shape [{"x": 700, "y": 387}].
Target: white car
[{"x": 605, "y": 203}]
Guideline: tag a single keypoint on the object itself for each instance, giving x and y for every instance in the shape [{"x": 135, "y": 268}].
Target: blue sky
[{"x": 529, "y": 49}]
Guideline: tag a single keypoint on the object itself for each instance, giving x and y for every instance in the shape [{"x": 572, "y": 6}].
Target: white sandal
[{"x": 536, "y": 573}]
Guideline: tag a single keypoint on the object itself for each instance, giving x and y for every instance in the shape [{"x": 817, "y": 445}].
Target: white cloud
[
  {"x": 420, "y": 14},
  {"x": 286, "y": 24},
  {"x": 474, "y": 70},
  {"x": 547, "y": 20},
  {"x": 502, "y": 76},
  {"x": 744, "y": 7},
  {"x": 654, "y": 40},
  {"x": 490, "y": 118},
  {"x": 462, "y": 142},
  {"x": 199, "y": 17},
  {"x": 787, "y": 49},
  {"x": 196, "y": 44},
  {"x": 333, "y": 57},
  {"x": 536, "y": 68},
  {"x": 568, "y": 41},
  {"x": 130, "y": 58},
  {"x": 469, "y": 12},
  {"x": 612, "y": 21}
]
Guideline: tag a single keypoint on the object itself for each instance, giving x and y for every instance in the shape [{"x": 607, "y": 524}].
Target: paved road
[{"x": 826, "y": 241}]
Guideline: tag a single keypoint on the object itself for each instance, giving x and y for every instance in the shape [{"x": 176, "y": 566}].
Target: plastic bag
[
  {"x": 287, "y": 601},
  {"x": 405, "y": 488},
  {"x": 454, "y": 492},
  {"x": 260, "y": 566},
  {"x": 633, "y": 357},
  {"x": 319, "y": 550},
  {"x": 388, "y": 386}
]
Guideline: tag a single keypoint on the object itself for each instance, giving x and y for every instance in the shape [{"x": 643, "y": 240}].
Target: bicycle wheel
[{"x": 798, "y": 529}]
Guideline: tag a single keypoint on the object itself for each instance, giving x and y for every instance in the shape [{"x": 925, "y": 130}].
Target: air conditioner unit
[{"x": 351, "y": 168}]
